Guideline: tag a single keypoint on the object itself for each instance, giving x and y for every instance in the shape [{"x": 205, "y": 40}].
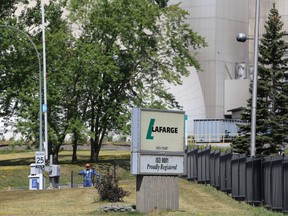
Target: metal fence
[
  {"x": 255, "y": 180},
  {"x": 238, "y": 177},
  {"x": 76, "y": 180}
]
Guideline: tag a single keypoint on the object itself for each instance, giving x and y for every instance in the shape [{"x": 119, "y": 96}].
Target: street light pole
[
  {"x": 241, "y": 37},
  {"x": 44, "y": 82},
  {"x": 255, "y": 79},
  {"x": 40, "y": 81}
]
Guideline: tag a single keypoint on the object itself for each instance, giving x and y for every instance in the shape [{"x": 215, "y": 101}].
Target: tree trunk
[
  {"x": 56, "y": 154},
  {"x": 74, "y": 146},
  {"x": 93, "y": 157},
  {"x": 92, "y": 130},
  {"x": 98, "y": 145},
  {"x": 98, "y": 151},
  {"x": 74, "y": 154}
]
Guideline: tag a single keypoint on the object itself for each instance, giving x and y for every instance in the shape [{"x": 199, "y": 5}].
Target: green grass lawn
[
  {"x": 195, "y": 199},
  {"x": 15, "y": 167}
]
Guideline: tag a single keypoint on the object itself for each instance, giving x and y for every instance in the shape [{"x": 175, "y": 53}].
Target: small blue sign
[
  {"x": 34, "y": 183},
  {"x": 44, "y": 108}
]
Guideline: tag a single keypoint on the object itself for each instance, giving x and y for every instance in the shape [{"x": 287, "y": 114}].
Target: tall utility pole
[
  {"x": 255, "y": 79},
  {"x": 44, "y": 83}
]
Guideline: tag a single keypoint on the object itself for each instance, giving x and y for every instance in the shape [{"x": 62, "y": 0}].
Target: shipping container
[{"x": 215, "y": 130}]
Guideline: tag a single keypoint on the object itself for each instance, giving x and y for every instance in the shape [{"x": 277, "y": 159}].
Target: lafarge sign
[
  {"x": 157, "y": 141},
  {"x": 162, "y": 131}
]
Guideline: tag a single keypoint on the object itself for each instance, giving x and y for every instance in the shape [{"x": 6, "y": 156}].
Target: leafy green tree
[
  {"x": 61, "y": 93},
  {"x": 18, "y": 70},
  {"x": 127, "y": 51},
  {"x": 8, "y": 8},
  {"x": 272, "y": 89},
  {"x": 9, "y": 43},
  {"x": 20, "y": 83}
]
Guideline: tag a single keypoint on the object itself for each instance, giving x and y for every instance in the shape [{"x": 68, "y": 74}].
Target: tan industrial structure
[{"x": 226, "y": 63}]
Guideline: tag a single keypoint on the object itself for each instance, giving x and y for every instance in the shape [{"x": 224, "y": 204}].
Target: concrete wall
[
  {"x": 190, "y": 97},
  {"x": 236, "y": 94},
  {"x": 157, "y": 193},
  {"x": 218, "y": 21}
]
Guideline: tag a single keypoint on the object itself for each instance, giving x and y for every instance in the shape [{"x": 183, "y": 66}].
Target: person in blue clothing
[{"x": 88, "y": 176}]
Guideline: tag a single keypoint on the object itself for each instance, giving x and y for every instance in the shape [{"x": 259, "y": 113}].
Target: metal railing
[
  {"x": 256, "y": 180},
  {"x": 212, "y": 138}
]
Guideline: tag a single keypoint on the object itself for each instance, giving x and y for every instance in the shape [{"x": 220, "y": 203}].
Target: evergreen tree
[
  {"x": 272, "y": 89},
  {"x": 162, "y": 3}
]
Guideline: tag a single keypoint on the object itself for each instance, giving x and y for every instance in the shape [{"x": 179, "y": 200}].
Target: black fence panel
[
  {"x": 266, "y": 181},
  {"x": 188, "y": 163},
  {"x": 192, "y": 164},
  {"x": 229, "y": 156},
  {"x": 277, "y": 183},
  {"x": 235, "y": 176},
  {"x": 253, "y": 180},
  {"x": 207, "y": 165},
  {"x": 200, "y": 176},
  {"x": 212, "y": 168},
  {"x": 242, "y": 176},
  {"x": 199, "y": 167},
  {"x": 203, "y": 166},
  {"x": 222, "y": 172},
  {"x": 217, "y": 169},
  {"x": 285, "y": 185},
  {"x": 225, "y": 172},
  {"x": 238, "y": 176}
]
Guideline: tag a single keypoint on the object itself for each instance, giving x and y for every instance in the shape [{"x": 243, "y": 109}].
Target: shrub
[{"x": 109, "y": 190}]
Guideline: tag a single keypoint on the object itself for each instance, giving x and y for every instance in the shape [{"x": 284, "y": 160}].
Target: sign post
[
  {"x": 157, "y": 157},
  {"x": 40, "y": 159}
]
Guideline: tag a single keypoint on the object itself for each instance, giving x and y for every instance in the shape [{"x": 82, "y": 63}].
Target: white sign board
[
  {"x": 162, "y": 131},
  {"x": 40, "y": 159},
  {"x": 158, "y": 164}
]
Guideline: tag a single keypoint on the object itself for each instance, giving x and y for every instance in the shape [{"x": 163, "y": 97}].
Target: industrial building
[{"x": 226, "y": 64}]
